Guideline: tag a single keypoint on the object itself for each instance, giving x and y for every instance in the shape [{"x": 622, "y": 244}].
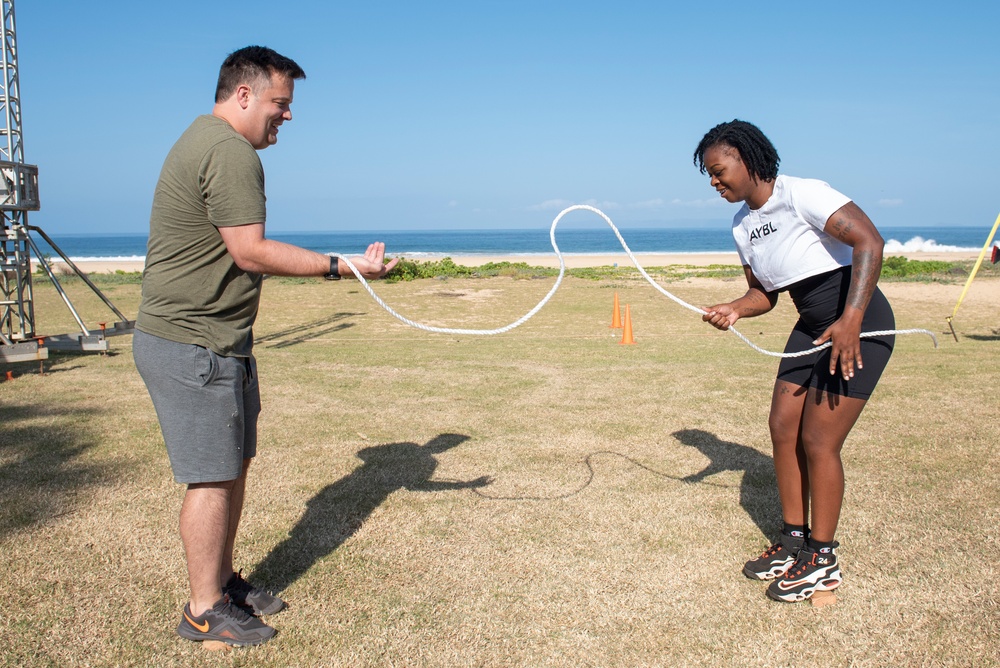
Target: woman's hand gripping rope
[{"x": 562, "y": 272}]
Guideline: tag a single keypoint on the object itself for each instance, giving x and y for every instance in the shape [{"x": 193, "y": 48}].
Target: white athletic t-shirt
[{"x": 783, "y": 241}]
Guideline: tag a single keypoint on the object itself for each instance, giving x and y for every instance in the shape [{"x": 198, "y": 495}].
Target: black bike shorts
[{"x": 820, "y": 301}]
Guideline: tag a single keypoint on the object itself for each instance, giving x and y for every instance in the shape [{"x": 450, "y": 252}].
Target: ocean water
[{"x": 598, "y": 241}]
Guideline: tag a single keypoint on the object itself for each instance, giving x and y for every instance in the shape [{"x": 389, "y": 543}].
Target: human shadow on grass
[
  {"x": 339, "y": 509},
  {"x": 305, "y": 331},
  {"x": 43, "y": 469},
  {"x": 758, "y": 488}
]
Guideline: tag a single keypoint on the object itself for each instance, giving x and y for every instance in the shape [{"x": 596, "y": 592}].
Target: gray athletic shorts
[{"x": 207, "y": 406}]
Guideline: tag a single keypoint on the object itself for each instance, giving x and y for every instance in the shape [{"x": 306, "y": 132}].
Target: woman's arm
[
  {"x": 852, "y": 226},
  {"x": 756, "y": 301}
]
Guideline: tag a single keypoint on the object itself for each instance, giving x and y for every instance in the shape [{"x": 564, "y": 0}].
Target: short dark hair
[
  {"x": 755, "y": 149},
  {"x": 253, "y": 64}
]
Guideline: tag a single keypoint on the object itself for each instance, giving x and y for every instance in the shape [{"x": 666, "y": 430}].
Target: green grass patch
[
  {"x": 894, "y": 268},
  {"x": 545, "y": 497}
]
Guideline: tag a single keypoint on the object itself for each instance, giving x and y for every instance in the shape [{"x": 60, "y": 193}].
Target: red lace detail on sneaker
[
  {"x": 801, "y": 565},
  {"x": 771, "y": 551}
]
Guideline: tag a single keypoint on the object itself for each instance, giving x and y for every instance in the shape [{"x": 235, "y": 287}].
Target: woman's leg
[
  {"x": 826, "y": 420},
  {"x": 785, "y": 423}
]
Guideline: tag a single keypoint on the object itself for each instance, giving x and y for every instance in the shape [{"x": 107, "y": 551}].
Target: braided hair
[{"x": 755, "y": 149}]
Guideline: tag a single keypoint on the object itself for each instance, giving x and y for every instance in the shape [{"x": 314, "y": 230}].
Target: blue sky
[{"x": 499, "y": 114}]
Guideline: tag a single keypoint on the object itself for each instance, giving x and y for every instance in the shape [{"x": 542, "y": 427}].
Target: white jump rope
[{"x": 562, "y": 271}]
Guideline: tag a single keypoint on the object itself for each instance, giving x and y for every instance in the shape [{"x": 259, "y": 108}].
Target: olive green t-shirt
[{"x": 192, "y": 290}]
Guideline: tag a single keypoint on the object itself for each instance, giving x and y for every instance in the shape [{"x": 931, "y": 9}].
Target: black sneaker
[
  {"x": 776, "y": 559},
  {"x": 254, "y": 599},
  {"x": 812, "y": 571},
  {"x": 226, "y": 623}
]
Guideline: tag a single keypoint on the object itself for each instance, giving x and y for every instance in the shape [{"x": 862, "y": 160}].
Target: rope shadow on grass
[
  {"x": 758, "y": 488},
  {"x": 304, "y": 332},
  {"x": 984, "y": 337},
  {"x": 588, "y": 461},
  {"x": 339, "y": 509}
]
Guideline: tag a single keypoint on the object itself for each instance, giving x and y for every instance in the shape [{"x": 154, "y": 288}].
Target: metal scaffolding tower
[{"x": 19, "y": 195}]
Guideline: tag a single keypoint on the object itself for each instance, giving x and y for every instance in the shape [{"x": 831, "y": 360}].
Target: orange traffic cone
[
  {"x": 627, "y": 333},
  {"x": 616, "y": 319}
]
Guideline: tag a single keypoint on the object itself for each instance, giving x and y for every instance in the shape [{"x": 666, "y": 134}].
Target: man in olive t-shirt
[
  {"x": 193, "y": 344},
  {"x": 192, "y": 290}
]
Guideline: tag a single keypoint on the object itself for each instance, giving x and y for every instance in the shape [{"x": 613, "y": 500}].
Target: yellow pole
[{"x": 982, "y": 254}]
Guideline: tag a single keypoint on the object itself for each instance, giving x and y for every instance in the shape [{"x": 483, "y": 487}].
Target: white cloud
[
  {"x": 551, "y": 205},
  {"x": 656, "y": 203},
  {"x": 653, "y": 204},
  {"x": 560, "y": 204},
  {"x": 600, "y": 205},
  {"x": 698, "y": 203}
]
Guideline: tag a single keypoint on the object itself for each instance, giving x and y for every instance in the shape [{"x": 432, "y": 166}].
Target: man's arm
[{"x": 252, "y": 251}]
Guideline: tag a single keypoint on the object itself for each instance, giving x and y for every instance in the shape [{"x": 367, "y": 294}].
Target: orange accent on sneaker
[{"x": 203, "y": 627}]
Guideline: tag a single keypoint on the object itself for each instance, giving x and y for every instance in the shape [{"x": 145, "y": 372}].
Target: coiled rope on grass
[{"x": 562, "y": 272}]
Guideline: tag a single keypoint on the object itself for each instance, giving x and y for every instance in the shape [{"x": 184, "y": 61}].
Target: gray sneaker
[
  {"x": 224, "y": 622},
  {"x": 255, "y": 599}
]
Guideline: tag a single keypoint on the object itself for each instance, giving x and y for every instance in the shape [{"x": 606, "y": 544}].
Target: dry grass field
[{"x": 546, "y": 497}]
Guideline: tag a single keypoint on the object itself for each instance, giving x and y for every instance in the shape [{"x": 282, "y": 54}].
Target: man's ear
[{"x": 243, "y": 94}]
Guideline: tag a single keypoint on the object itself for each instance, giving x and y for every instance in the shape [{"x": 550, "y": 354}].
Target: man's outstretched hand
[{"x": 372, "y": 264}]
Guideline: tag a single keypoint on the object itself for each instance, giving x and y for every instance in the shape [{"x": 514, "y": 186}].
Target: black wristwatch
[{"x": 334, "y": 274}]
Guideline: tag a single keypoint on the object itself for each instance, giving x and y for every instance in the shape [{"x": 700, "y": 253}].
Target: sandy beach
[{"x": 572, "y": 261}]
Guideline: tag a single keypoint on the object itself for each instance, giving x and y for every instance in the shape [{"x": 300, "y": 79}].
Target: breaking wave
[{"x": 921, "y": 245}]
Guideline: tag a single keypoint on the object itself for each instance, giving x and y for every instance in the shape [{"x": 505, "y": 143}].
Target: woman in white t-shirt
[{"x": 803, "y": 236}]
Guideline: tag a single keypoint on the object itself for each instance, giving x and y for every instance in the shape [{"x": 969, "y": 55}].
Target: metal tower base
[
  {"x": 29, "y": 351},
  {"x": 88, "y": 342},
  {"x": 28, "y": 345}
]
